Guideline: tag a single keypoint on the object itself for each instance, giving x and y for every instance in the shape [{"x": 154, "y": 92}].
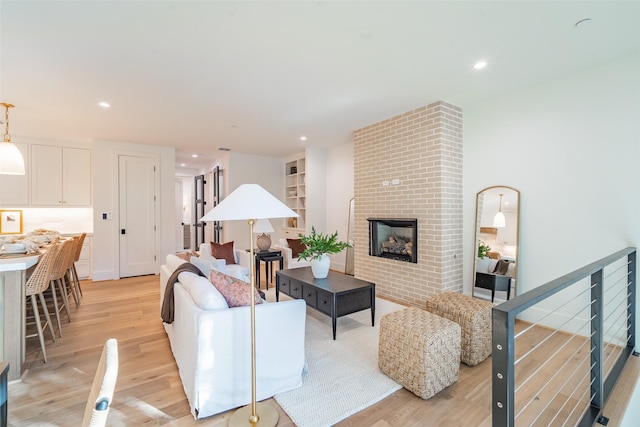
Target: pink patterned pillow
[{"x": 235, "y": 291}]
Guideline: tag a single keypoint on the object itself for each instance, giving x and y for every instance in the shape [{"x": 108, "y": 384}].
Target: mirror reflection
[{"x": 496, "y": 243}]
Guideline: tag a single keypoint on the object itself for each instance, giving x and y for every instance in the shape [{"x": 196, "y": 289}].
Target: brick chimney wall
[{"x": 423, "y": 150}]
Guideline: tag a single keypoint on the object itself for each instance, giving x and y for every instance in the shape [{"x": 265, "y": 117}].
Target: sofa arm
[{"x": 226, "y": 333}]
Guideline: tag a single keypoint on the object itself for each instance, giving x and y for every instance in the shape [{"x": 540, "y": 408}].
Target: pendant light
[
  {"x": 499, "y": 220},
  {"x": 11, "y": 161}
]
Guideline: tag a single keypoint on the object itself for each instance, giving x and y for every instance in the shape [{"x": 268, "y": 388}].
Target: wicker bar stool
[
  {"x": 68, "y": 274},
  {"x": 58, "y": 284},
  {"x": 74, "y": 271},
  {"x": 37, "y": 283}
]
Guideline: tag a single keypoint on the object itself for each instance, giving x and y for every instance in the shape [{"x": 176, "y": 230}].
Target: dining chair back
[
  {"x": 37, "y": 283},
  {"x": 104, "y": 384}
]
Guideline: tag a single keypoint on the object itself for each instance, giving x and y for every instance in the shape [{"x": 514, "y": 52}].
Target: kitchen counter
[{"x": 12, "y": 305}]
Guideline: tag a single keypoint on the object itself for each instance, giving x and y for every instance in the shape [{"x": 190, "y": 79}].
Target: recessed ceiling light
[
  {"x": 303, "y": 138},
  {"x": 194, "y": 155},
  {"x": 583, "y": 22},
  {"x": 104, "y": 104},
  {"x": 480, "y": 65},
  {"x": 183, "y": 164}
]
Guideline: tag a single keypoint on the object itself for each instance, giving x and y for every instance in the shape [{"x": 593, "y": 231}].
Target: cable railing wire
[
  {"x": 548, "y": 359},
  {"x": 537, "y": 322},
  {"x": 568, "y": 359},
  {"x": 549, "y": 401},
  {"x": 555, "y": 330}
]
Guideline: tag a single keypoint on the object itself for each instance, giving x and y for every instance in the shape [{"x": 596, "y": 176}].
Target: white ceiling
[{"x": 255, "y": 76}]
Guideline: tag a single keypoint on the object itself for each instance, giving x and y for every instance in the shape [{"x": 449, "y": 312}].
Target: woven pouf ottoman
[
  {"x": 419, "y": 350},
  {"x": 474, "y": 317}
]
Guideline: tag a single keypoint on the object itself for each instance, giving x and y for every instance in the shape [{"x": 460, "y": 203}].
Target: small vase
[{"x": 320, "y": 267}]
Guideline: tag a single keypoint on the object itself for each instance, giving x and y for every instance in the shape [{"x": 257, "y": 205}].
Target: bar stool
[
  {"x": 37, "y": 283},
  {"x": 74, "y": 272},
  {"x": 58, "y": 284},
  {"x": 68, "y": 273}
]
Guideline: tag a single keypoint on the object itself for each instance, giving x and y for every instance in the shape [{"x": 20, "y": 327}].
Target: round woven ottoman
[
  {"x": 419, "y": 350},
  {"x": 474, "y": 317}
]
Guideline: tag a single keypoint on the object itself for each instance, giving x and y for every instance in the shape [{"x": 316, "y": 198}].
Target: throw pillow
[
  {"x": 501, "y": 267},
  {"x": 296, "y": 246},
  {"x": 223, "y": 251},
  {"x": 235, "y": 292}
]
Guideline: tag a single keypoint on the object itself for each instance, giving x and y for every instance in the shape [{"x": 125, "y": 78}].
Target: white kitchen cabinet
[
  {"x": 60, "y": 176},
  {"x": 14, "y": 189}
]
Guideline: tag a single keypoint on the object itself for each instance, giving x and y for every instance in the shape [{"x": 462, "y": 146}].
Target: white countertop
[{"x": 18, "y": 263}]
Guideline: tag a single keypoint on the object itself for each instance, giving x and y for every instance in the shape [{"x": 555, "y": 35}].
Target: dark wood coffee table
[{"x": 335, "y": 296}]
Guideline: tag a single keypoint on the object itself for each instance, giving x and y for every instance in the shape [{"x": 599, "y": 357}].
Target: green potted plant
[
  {"x": 483, "y": 250},
  {"x": 317, "y": 248}
]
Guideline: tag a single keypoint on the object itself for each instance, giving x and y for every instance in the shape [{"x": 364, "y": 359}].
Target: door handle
[{"x": 122, "y": 231}]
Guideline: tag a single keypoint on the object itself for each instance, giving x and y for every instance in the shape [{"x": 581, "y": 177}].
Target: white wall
[
  {"x": 339, "y": 176},
  {"x": 571, "y": 146},
  {"x": 105, "y": 199},
  {"x": 240, "y": 169}
]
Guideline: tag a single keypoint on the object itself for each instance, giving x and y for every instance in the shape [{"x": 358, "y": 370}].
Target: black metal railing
[{"x": 559, "y": 349}]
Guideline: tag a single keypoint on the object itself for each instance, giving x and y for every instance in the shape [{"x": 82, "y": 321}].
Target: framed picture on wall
[{"x": 10, "y": 222}]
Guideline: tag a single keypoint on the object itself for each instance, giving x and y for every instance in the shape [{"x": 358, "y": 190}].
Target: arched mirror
[{"x": 495, "y": 269}]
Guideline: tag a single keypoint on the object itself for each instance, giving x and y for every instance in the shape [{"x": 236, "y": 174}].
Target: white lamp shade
[
  {"x": 11, "y": 161},
  {"x": 249, "y": 201},
  {"x": 499, "y": 220},
  {"x": 262, "y": 226}
]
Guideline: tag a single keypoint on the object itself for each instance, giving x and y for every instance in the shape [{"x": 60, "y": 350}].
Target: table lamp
[
  {"x": 263, "y": 241},
  {"x": 251, "y": 202}
]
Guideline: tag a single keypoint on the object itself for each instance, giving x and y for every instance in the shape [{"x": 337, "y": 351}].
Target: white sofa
[
  {"x": 287, "y": 256},
  {"x": 211, "y": 344},
  {"x": 487, "y": 265},
  {"x": 205, "y": 261}
]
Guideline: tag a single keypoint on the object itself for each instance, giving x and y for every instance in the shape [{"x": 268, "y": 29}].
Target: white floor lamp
[{"x": 251, "y": 202}]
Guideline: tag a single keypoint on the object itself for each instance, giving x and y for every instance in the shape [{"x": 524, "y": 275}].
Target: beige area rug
[{"x": 342, "y": 376}]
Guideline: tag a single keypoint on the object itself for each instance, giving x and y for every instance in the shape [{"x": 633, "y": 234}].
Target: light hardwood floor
[{"x": 149, "y": 391}]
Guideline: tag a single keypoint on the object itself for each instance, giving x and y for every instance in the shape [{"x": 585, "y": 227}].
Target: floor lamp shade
[{"x": 253, "y": 203}]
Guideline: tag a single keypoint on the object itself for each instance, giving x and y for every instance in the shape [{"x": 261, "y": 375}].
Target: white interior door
[{"x": 138, "y": 230}]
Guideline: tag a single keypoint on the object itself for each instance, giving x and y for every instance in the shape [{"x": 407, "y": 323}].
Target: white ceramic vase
[{"x": 320, "y": 267}]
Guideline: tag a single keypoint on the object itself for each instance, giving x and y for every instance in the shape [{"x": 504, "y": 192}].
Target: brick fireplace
[{"x": 410, "y": 166}]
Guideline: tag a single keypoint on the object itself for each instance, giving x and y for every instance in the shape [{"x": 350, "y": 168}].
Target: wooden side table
[{"x": 268, "y": 257}]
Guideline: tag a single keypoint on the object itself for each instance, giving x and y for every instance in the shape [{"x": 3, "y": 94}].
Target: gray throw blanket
[{"x": 168, "y": 302}]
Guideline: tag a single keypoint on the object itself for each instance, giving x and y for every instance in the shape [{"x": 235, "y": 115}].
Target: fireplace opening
[{"x": 394, "y": 238}]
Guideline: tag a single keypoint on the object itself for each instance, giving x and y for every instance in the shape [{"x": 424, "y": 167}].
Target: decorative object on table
[
  {"x": 318, "y": 248},
  {"x": 10, "y": 222},
  {"x": 263, "y": 241},
  {"x": 11, "y": 160},
  {"x": 483, "y": 250},
  {"x": 251, "y": 202}
]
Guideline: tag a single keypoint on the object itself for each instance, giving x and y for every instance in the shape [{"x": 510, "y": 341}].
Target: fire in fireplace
[{"x": 394, "y": 238}]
